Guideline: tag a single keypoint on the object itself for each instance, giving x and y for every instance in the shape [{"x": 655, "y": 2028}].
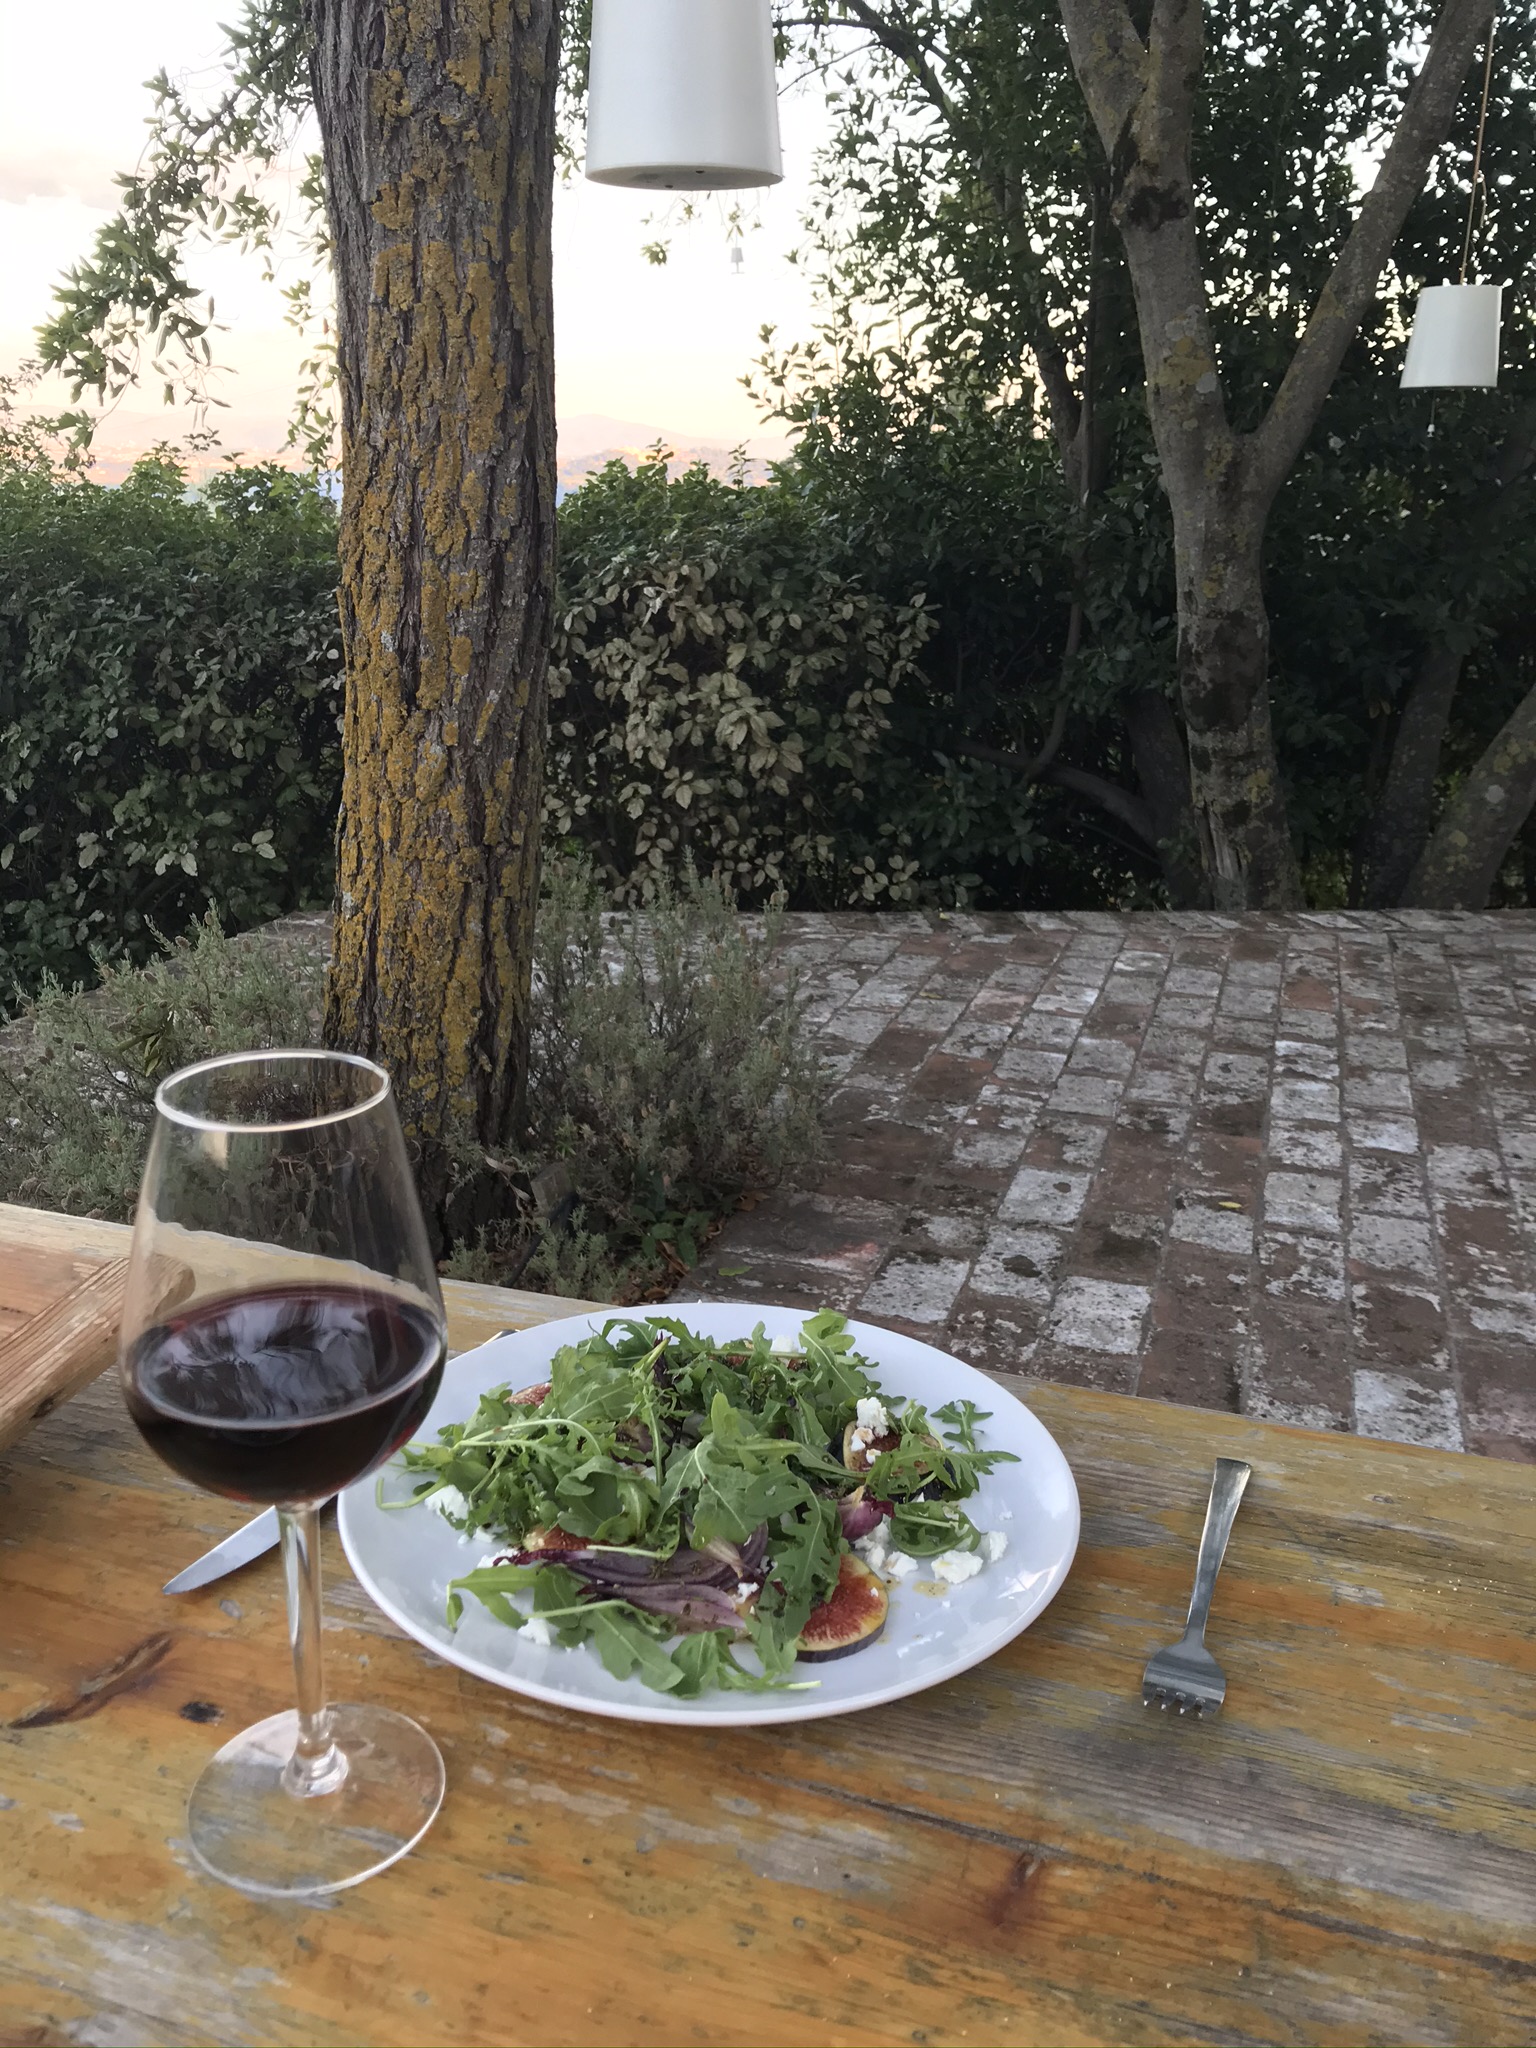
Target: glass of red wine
[{"x": 283, "y": 1334}]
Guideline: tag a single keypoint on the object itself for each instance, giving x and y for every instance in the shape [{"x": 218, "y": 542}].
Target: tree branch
[
  {"x": 1110, "y": 60},
  {"x": 1142, "y": 103},
  {"x": 1462, "y": 860},
  {"x": 1061, "y": 398},
  {"x": 1175, "y": 56},
  {"x": 906, "y": 46},
  {"x": 1400, "y": 825},
  {"x": 1424, "y": 124},
  {"x": 1126, "y": 808}
]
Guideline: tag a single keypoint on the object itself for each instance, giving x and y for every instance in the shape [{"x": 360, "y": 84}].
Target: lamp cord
[{"x": 1477, "y": 157}]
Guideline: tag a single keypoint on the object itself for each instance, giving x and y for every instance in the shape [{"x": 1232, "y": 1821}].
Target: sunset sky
[{"x": 663, "y": 347}]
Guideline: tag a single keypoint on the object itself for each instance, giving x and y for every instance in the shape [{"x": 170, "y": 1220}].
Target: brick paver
[{"x": 1280, "y": 1165}]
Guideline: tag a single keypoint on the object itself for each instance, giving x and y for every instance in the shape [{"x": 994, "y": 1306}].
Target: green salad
[{"x": 680, "y": 1504}]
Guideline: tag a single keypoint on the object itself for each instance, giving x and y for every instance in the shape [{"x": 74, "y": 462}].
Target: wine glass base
[{"x": 248, "y": 1829}]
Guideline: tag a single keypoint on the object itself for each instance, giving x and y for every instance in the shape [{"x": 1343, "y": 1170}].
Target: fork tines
[{"x": 1165, "y": 1697}]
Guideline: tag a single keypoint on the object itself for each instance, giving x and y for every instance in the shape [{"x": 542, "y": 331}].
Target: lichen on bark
[{"x": 438, "y": 129}]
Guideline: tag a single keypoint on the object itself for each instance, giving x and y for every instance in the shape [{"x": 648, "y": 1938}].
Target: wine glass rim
[{"x": 190, "y": 1119}]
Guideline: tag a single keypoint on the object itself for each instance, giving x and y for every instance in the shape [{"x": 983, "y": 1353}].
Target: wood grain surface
[
  {"x": 1347, "y": 1854},
  {"x": 59, "y": 1349}
]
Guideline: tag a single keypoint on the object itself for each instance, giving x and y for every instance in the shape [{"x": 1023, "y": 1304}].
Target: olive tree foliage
[
  {"x": 238, "y": 167},
  {"x": 1168, "y": 235}
]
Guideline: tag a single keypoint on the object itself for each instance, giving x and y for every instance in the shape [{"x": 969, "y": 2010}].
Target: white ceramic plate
[{"x": 405, "y": 1558}]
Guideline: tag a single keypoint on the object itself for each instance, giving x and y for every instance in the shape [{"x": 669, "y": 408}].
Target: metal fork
[{"x": 1186, "y": 1675}]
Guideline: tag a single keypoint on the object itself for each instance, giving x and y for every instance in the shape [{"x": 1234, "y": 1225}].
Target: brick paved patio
[{"x": 1280, "y": 1165}]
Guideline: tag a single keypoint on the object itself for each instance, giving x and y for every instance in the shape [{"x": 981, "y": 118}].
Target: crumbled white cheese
[
  {"x": 537, "y": 1630},
  {"x": 745, "y": 1588},
  {"x": 954, "y": 1567},
  {"x": 448, "y": 1502},
  {"x": 873, "y": 1418},
  {"x": 783, "y": 1347},
  {"x": 951, "y": 1568}
]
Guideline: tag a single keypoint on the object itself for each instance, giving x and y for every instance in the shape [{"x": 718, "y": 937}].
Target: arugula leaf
[
  {"x": 961, "y": 1418},
  {"x": 927, "y": 1528},
  {"x": 491, "y": 1583}
]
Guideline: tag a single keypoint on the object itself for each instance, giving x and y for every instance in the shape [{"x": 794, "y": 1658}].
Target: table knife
[{"x": 247, "y": 1543}]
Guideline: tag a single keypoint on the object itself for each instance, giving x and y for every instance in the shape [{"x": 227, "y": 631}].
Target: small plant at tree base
[{"x": 669, "y": 1065}]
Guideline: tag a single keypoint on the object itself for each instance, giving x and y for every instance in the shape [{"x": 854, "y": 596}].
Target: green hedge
[
  {"x": 727, "y": 694},
  {"x": 170, "y": 689},
  {"x": 721, "y": 692}
]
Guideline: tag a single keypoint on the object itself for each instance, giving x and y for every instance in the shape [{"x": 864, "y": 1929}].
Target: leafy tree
[
  {"x": 1168, "y": 206},
  {"x": 437, "y": 147}
]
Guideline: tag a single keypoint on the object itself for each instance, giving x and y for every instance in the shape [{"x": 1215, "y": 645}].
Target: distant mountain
[
  {"x": 590, "y": 433},
  {"x": 573, "y": 470},
  {"x": 585, "y": 441},
  {"x": 589, "y": 440},
  {"x": 599, "y": 433}
]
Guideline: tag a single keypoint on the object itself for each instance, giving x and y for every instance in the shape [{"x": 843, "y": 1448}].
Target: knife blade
[{"x": 245, "y": 1544}]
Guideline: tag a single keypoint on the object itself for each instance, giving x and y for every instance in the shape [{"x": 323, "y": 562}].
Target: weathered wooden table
[{"x": 1348, "y": 1854}]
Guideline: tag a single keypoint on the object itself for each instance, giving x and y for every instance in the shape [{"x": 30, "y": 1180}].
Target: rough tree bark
[
  {"x": 1459, "y": 865},
  {"x": 1221, "y": 484},
  {"x": 437, "y": 125},
  {"x": 1401, "y": 819}
]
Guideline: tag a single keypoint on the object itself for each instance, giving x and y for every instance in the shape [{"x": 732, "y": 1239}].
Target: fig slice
[
  {"x": 850, "y": 1619},
  {"x": 529, "y": 1397},
  {"x": 861, "y": 1446}
]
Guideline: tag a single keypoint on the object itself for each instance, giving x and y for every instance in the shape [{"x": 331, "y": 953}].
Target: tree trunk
[
  {"x": 1462, "y": 860},
  {"x": 1238, "y": 805},
  {"x": 1162, "y": 768},
  {"x": 1142, "y": 100},
  {"x": 438, "y": 133},
  {"x": 1400, "y": 817}
]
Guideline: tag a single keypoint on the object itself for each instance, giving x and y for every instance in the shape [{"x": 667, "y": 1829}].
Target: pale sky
[{"x": 660, "y": 346}]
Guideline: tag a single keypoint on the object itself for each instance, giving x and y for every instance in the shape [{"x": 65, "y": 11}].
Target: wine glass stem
[{"x": 317, "y": 1765}]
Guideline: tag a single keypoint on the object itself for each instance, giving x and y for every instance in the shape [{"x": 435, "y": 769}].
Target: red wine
[{"x": 285, "y": 1394}]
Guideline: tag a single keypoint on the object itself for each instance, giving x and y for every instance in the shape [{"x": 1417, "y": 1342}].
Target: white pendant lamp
[
  {"x": 1455, "y": 339},
  {"x": 681, "y": 95}
]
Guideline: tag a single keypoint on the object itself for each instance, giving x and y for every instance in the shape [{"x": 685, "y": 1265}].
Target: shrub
[
  {"x": 720, "y": 693},
  {"x": 78, "y": 1073},
  {"x": 669, "y": 1067},
  {"x": 170, "y": 686}
]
